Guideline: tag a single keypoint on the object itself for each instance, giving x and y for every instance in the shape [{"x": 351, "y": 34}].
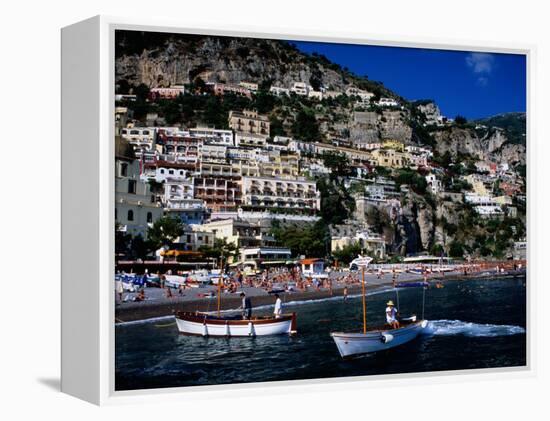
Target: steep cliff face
[
  {"x": 414, "y": 228},
  {"x": 230, "y": 60},
  {"x": 393, "y": 125},
  {"x": 491, "y": 145},
  {"x": 511, "y": 153},
  {"x": 156, "y": 59},
  {"x": 425, "y": 220},
  {"x": 431, "y": 112},
  {"x": 371, "y": 126}
]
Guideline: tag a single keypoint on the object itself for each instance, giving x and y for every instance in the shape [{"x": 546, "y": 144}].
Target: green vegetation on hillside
[{"x": 514, "y": 124}]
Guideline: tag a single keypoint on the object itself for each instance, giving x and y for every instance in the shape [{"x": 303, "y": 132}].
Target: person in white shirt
[
  {"x": 119, "y": 288},
  {"x": 391, "y": 315},
  {"x": 278, "y": 310}
]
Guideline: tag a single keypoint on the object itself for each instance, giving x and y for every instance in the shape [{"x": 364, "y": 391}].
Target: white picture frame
[{"x": 88, "y": 220}]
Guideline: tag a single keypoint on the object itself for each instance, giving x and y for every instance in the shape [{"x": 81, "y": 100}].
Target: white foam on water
[{"x": 458, "y": 327}]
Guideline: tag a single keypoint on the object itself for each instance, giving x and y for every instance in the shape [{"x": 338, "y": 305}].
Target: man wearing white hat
[{"x": 391, "y": 315}]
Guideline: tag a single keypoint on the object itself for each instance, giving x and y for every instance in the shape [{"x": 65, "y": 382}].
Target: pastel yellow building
[
  {"x": 249, "y": 121},
  {"x": 389, "y": 158},
  {"x": 393, "y": 144},
  {"x": 280, "y": 166}
]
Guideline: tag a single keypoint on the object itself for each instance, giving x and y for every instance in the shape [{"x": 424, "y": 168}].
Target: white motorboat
[
  {"x": 375, "y": 340},
  {"x": 208, "y": 325},
  {"x": 380, "y": 338}
]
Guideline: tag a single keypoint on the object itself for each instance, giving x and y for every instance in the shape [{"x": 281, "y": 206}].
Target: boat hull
[
  {"x": 202, "y": 325},
  {"x": 350, "y": 344}
]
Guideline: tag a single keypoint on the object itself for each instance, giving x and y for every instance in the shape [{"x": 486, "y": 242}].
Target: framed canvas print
[{"x": 243, "y": 209}]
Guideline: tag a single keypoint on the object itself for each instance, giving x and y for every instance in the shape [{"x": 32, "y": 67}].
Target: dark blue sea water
[{"x": 473, "y": 324}]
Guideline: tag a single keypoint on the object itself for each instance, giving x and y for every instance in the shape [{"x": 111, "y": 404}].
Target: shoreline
[{"x": 143, "y": 311}]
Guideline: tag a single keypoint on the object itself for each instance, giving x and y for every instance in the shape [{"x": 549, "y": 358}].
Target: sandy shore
[{"x": 158, "y": 305}]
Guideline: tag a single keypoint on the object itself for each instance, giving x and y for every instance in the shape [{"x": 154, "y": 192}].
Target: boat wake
[
  {"x": 142, "y": 321},
  {"x": 458, "y": 327}
]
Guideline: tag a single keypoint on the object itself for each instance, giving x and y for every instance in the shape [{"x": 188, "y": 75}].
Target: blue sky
[{"x": 470, "y": 84}]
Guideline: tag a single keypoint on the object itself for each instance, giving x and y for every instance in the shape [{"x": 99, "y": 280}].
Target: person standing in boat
[
  {"x": 246, "y": 306},
  {"x": 278, "y": 310},
  {"x": 391, "y": 315}
]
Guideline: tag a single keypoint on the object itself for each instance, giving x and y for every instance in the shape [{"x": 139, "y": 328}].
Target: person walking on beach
[
  {"x": 278, "y": 310},
  {"x": 246, "y": 306},
  {"x": 391, "y": 315},
  {"x": 394, "y": 277},
  {"x": 240, "y": 278},
  {"x": 119, "y": 288},
  {"x": 345, "y": 293}
]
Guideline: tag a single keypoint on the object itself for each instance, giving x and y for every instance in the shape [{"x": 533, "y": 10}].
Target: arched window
[
  {"x": 130, "y": 215},
  {"x": 149, "y": 217}
]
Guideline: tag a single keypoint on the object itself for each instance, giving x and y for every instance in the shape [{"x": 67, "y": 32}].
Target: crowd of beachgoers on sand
[{"x": 295, "y": 285}]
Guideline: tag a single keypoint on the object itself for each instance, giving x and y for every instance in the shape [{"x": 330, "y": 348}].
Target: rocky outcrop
[
  {"x": 511, "y": 153},
  {"x": 393, "y": 125},
  {"x": 425, "y": 218},
  {"x": 431, "y": 112},
  {"x": 371, "y": 127},
  {"x": 492, "y": 145},
  {"x": 219, "y": 59},
  {"x": 414, "y": 228}
]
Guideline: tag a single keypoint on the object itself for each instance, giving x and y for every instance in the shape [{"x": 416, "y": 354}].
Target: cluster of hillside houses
[{"x": 233, "y": 183}]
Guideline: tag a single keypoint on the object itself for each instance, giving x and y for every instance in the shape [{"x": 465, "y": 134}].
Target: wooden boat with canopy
[
  {"x": 205, "y": 324},
  {"x": 379, "y": 338},
  {"x": 210, "y": 325}
]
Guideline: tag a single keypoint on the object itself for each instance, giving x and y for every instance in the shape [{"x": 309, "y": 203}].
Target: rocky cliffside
[
  {"x": 491, "y": 144},
  {"x": 155, "y": 59},
  {"x": 414, "y": 228},
  {"x": 371, "y": 126},
  {"x": 178, "y": 60}
]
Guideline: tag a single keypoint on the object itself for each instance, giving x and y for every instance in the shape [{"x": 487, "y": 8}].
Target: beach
[{"x": 157, "y": 304}]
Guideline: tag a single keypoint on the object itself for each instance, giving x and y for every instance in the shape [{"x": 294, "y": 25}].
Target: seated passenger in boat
[{"x": 391, "y": 315}]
